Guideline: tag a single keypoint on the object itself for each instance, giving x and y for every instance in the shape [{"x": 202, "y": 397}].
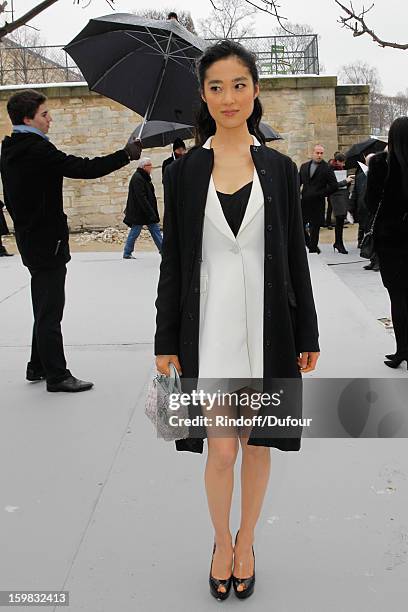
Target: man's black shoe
[
  {"x": 70, "y": 385},
  {"x": 316, "y": 250},
  {"x": 369, "y": 266},
  {"x": 34, "y": 375}
]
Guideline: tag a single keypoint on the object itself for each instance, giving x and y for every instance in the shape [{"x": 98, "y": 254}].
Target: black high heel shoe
[
  {"x": 215, "y": 583},
  {"x": 396, "y": 360},
  {"x": 249, "y": 583},
  {"x": 341, "y": 248}
]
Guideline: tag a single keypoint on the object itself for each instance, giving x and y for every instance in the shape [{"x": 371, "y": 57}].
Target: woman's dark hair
[
  {"x": 398, "y": 155},
  {"x": 205, "y": 124},
  {"x": 24, "y": 104},
  {"x": 339, "y": 157}
]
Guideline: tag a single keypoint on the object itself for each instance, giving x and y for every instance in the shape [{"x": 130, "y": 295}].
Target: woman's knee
[
  {"x": 222, "y": 453},
  {"x": 253, "y": 452}
]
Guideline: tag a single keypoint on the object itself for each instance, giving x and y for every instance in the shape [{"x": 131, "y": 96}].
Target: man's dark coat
[
  {"x": 32, "y": 171},
  {"x": 141, "y": 207},
  {"x": 290, "y": 322},
  {"x": 314, "y": 191}
]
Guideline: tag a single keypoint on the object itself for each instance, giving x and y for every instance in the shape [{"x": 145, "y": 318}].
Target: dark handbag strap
[{"x": 371, "y": 230}]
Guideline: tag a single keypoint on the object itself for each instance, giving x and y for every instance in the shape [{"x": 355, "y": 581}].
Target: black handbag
[{"x": 367, "y": 243}]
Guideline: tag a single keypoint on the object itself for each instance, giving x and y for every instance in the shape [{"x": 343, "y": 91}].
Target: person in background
[
  {"x": 141, "y": 208},
  {"x": 329, "y": 211},
  {"x": 3, "y": 232},
  {"x": 32, "y": 171},
  {"x": 339, "y": 201},
  {"x": 387, "y": 183},
  {"x": 360, "y": 211},
  {"x": 172, "y": 15},
  {"x": 179, "y": 149},
  {"x": 317, "y": 182}
]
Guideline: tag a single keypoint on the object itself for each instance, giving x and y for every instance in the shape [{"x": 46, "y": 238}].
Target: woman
[
  {"x": 388, "y": 183},
  {"x": 234, "y": 294},
  {"x": 339, "y": 201}
]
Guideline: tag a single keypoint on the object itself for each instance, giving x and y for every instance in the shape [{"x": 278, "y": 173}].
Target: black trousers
[
  {"x": 329, "y": 212},
  {"x": 312, "y": 236},
  {"x": 399, "y": 314},
  {"x": 48, "y": 299}
]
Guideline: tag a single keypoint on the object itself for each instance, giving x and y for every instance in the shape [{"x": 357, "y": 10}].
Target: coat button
[
  {"x": 196, "y": 289},
  {"x": 269, "y": 228},
  {"x": 269, "y": 285},
  {"x": 263, "y": 171},
  {"x": 268, "y": 343},
  {"x": 269, "y": 314},
  {"x": 269, "y": 198},
  {"x": 185, "y": 342},
  {"x": 269, "y": 256},
  {"x": 190, "y": 316}
]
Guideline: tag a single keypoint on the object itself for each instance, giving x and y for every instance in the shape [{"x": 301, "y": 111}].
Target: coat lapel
[
  {"x": 255, "y": 202},
  {"x": 213, "y": 209}
]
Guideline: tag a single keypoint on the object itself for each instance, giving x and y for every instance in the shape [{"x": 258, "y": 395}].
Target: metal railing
[
  {"x": 276, "y": 55},
  {"x": 285, "y": 55},
  {"x": 37, "y": 64}
]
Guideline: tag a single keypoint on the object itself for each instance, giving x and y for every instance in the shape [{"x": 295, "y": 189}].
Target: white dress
[{"x": 232, "y": 289}]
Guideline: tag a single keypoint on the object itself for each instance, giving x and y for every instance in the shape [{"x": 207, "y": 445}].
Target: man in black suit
[
  {"x": 317, "y": 181},
  {"x": 32, "y": 171}
]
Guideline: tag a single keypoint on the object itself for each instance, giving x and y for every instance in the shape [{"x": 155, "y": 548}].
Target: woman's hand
[
  {"x": 163, "y": 361},
  {"x": 307, "y": 361}
]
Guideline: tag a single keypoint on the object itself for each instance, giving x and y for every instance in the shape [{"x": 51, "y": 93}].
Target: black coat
[
  {"x": 141, "y": 206},
  {"x": 3, "y": 225},
  {"x": 314, "y": 191},
  {"x": 32, "y": 171},
  {"x": 358, "y": 205},
  {"x": 167, "y": 163},
  {"x": 290, "y": 322},
  {"x": 391, "y": 226}
]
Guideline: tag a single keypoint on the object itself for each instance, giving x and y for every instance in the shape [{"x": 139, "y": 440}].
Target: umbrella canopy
[
  {"x": 269, "y": 133},
  {"x": 145, "y": 64},
  {"x": 162, "y": 133},
  {"x": 371, "y": 145}
]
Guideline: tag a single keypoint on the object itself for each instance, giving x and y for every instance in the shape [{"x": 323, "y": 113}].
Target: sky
[{"x": 61, "y": 22}]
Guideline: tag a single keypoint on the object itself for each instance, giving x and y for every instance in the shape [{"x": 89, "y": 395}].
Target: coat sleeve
[
  {"x": 306, "y": 334},
  {"x": 332, "y": 184},
  {"x": 166, "y": 340},
  {"x": 57, "y": 162}
]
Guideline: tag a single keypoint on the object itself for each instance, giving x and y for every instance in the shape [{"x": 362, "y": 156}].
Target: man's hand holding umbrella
[{"x": 133, "y": 148}]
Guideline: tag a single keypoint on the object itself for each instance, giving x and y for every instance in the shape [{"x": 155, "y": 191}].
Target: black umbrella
[
  {"x": 354, "y": 154},
  {"x": 145, "y": 64},
  {"x": 269, "y": 133},
  {"x": 162, "y": 133}
]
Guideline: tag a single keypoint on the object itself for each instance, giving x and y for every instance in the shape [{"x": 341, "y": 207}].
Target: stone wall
[
  {"x": 353, "y": 119},
  {"x": 302, "y": 109}
]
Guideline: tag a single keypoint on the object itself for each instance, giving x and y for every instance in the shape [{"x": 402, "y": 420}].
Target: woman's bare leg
[
  {"x": 219, "y": 483},
  {"x": 255, "y": 470}
]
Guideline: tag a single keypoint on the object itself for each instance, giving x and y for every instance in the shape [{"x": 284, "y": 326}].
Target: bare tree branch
[
  {"x": 357, "y": 24},
  {"x": 36, "y": 10}
]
